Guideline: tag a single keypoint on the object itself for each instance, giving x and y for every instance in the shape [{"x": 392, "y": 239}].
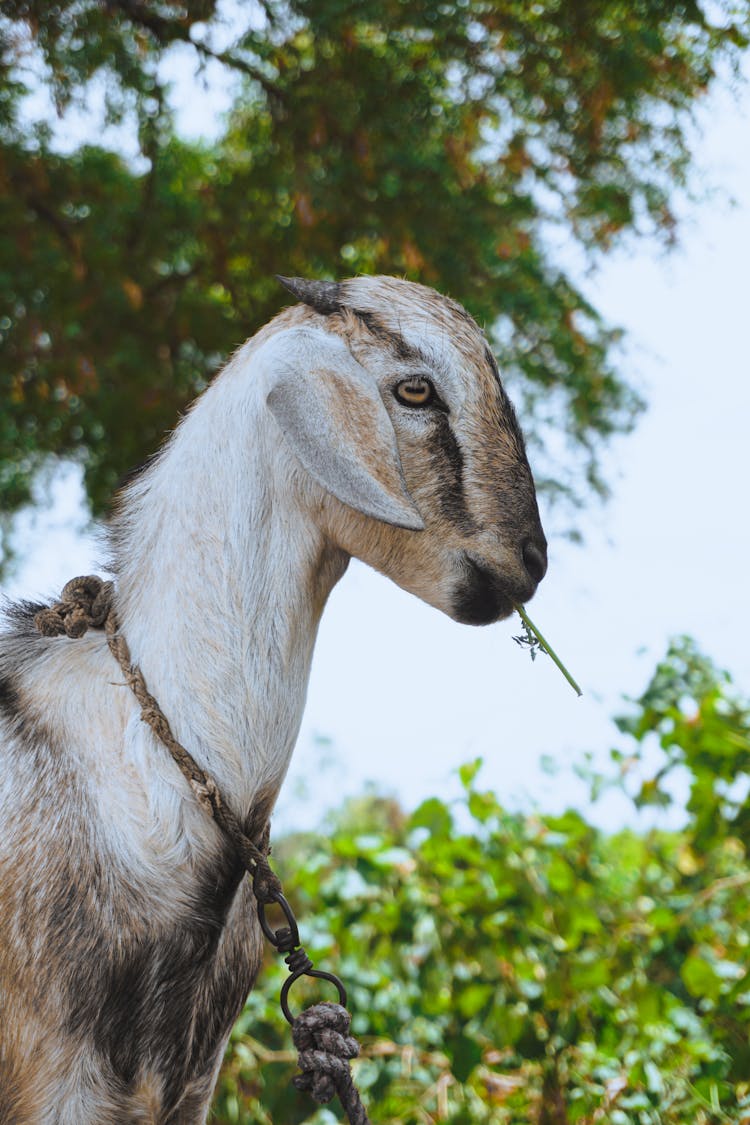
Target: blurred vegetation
[
  {"x": 442, "y": 141},
  {"x": 515, "y": 969}
]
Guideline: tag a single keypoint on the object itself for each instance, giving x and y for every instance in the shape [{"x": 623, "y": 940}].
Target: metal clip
[
  {"x": 286, "y": 940},
  {"x": 321, "y": 975}
]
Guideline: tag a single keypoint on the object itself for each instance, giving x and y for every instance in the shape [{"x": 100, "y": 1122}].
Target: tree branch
[{"x": 169, "y": 31}]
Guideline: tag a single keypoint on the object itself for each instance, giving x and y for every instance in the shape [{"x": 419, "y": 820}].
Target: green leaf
[
  {"x": 560, "y": 875},
  {"x": 473, "y": 998},
  {"x": 434, "y": 815},
  {"x": 465, "y": 1054},
  {"x": 700, "y": 978},
  {"x": 468, "y": 771}
]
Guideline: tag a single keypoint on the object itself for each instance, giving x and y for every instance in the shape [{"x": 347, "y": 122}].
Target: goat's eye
[{"x": 414, "y": 392}]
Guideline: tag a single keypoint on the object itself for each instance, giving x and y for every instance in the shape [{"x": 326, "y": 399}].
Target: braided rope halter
[{"x": 321, "y": 1032}]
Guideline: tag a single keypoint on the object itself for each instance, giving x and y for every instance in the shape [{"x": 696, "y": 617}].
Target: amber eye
[{"x": 414, "y": 392}]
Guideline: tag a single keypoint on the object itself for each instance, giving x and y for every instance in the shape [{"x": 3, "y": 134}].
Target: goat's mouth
[{"x": 482, "y": 597}]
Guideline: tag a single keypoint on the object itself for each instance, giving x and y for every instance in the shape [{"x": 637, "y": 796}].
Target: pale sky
[{"x": 405, "y": 695}]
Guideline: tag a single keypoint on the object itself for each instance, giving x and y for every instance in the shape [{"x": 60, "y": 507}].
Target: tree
[{"x": 435, "y": 140}]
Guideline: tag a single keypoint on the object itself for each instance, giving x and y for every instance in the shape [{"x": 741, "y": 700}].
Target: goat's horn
[{"x": 323, "y": 296}]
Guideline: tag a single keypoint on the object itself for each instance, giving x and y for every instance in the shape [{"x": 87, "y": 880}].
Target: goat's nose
[{"x": 535, "y": 560}]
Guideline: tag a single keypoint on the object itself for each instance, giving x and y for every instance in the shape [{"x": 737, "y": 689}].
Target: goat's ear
[{"x": 331, "y": 413}]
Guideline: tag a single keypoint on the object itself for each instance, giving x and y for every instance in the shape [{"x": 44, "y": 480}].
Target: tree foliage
[
  {"x": 509, "y": 969},
  {"x": 435, "y": 140}
]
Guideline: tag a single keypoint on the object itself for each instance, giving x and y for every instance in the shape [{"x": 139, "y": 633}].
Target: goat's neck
[{"x": 222, "y": 578}]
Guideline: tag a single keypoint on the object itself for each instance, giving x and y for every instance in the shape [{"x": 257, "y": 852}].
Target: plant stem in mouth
[{"x": 546, "y": 647}]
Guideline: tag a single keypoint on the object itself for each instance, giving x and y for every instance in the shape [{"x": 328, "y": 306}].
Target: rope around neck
[
  {"x": 88, "y": 602},
  {"x": 321, "y": 1033}
]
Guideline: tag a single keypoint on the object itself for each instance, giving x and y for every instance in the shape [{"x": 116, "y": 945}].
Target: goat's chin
[
  {"x": 480, "y": 609},
  {"x": 480, "y": 597}
]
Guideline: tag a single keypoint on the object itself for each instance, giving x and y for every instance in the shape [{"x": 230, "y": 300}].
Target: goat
[{"x": 369, "y": 420}]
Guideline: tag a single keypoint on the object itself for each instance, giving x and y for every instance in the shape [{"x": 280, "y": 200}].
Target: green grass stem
[{"x": 546, "y": 647}]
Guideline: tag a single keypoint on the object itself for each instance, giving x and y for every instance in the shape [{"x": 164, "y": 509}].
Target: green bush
[{"x": 506, "y": 968}]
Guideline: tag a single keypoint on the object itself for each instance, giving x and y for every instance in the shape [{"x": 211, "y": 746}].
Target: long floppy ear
[{"x": 331, "y": 413}]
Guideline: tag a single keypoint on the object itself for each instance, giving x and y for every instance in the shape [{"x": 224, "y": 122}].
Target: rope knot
[
  {"x": 321, "y": 1036},
  {"x": 85, "y": 603},
  {"x": 206, "y": 792}
]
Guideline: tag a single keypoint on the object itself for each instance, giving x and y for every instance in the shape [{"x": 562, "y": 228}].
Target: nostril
[{"x": 535, "y": 560}]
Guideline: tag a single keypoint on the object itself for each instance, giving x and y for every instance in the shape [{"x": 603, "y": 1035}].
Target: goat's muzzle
[{"x": 484, "y": 594}]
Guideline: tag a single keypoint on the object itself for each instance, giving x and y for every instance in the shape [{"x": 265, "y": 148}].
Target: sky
[{"x": 400, "y": 695}]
